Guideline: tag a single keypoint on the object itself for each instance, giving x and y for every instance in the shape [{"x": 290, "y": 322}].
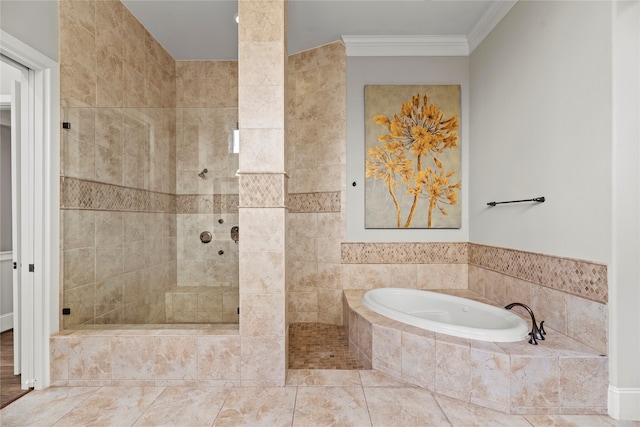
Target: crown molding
[
  {"x": 406, "y": 45},
  {"x": 422, "y": 45},
  {"x": 488, "y": 22}
]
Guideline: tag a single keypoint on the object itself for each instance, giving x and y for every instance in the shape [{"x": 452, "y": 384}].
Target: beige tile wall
[
  {"x": 262, "y": 66},
  {"x": 206, "y": 115},
  {"x": 117, "y": 90},
  {"x": 561, "y": 291},
  {"x": 316, "y": 111}
]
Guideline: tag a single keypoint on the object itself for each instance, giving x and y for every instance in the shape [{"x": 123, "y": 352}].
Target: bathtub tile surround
[
  {"x": 515, "y": 378},
  {"x": 563, "y": 301},
  {"x": 580, "y": 278}
]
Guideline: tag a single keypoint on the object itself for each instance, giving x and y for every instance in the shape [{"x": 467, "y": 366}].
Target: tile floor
[
  {"x": 311, "y": 398},
  {"x": 319, "y": 346}
]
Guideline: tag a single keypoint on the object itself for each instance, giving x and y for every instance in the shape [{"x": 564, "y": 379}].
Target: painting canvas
[{"x": 412, "y": 142}]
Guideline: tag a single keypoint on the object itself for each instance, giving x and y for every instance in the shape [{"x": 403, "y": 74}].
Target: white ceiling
[{"x": 206, "y": 29}]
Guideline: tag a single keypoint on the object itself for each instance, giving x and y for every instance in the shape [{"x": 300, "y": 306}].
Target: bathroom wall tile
[
  {"x": 364, "y": 336},
  {"x": 331, "y": 406},
  {"x": 330, "y": 318},
  {"x": 79, "y": 267},
  {"x": 266, "y": 21},
  {"x": 108, "y": 295},
  {"x": 109, "y": 228},
  {"x": 78, "y": 229},
  {"x": 302, "y": 302},
  {"x": 519, "y": 290},
  {"x": 418, "y": 358},
  {"x": 262, "y": 315},
  {"x": 490, "y": 378},
  {"x": 329, "y": 276},
  {"x": 218, "y": 358},
  {"x": 322, "y": 377},
  {"x": 81, "y": 301},
  {"x": 261, "y": 63},
  {"x": 89, "y": 358},
  {"x": 403, "y": 406},
  {"x": 529, "y": 390},
  {"x": 78, "y": 143},
  {"x": 109, "y": 261},
  {"x": 583, "y": 382},
  {"x": 476, "y": 280},
  {"x": 133, "y": 357},
  {"x": 330, "y": 301},
  {"x": 587, "y": 322},
  {"x": 261, "y": 148},
  {"x": 305, "y": 248},
  {"x": 355, "y": 276},
  {"x": 495, "y": 288},
  {"x": 453, "y": 370},
  {"x": 59, "y": 356},
  {"x": 550, "y": 307},
  {"x": 261, "y": 107},
  {"x": 176, "y": 358},
  {"x": 265, "y": 274},
  {"x": 386, "y": 350},
  {"x": 403, "y": 276},
  {"x": 263, "y": 359},
  {"x": 269, "y": 236}
]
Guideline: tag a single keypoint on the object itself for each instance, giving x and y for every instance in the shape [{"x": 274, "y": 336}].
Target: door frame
[{"x": 41, "y": 299}]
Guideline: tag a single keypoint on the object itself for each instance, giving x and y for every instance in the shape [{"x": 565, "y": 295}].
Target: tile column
[{"x": 262, "y": 61}]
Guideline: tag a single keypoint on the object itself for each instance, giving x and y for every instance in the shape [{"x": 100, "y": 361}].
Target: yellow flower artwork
[{"x": 412, "y": 156}]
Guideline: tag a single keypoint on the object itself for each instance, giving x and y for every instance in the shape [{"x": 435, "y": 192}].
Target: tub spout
[{"x": 537, "y": 332}]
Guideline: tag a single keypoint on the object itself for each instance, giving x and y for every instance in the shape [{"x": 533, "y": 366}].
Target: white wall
[
  {"x": 624, "y": 270},
  {"x": 35, "y": 23},
  {"x": 541, "y": 126},
  {"x": 363, "y": 71}
]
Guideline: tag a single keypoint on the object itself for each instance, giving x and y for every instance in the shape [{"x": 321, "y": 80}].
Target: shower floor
[{"x": 319, "y": 346}]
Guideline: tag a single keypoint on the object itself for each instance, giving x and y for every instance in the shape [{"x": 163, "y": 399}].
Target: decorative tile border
[
  {"x": 405, "y": 253},
  {"x": 83, "y": 194},
  {"x": 207, "y": 203},
  {"x": 314, "y": 202},
  {"x": 262, "y": 190},
  {"x": 581, "y": 278}
]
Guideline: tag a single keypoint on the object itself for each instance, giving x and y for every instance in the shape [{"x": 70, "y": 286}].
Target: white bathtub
[{"x": 447, "y": 314}]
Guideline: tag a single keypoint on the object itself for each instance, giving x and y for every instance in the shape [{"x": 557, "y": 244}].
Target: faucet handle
[{"x": 541, "y": 328}]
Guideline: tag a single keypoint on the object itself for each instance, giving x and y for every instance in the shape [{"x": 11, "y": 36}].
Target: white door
[
  {"x": 37, "y": 198},
  {"x": 22, "y": 195},
  {"x": 15, "y": 217}
]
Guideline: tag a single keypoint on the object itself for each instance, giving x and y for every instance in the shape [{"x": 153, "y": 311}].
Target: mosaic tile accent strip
[
  {"x": 405, "y": 253},
  {"x": 581, "y": 278},
  {"x": 314, "y": 202},
  {"x": 266, "y": 190},
  {"x": 82, "y": 194},
  {"x": 207, "y": 203}
]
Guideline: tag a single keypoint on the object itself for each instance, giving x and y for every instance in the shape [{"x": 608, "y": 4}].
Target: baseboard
[
  {"x": 624, "y": 403},
  {"x": 6, "y": 322}
]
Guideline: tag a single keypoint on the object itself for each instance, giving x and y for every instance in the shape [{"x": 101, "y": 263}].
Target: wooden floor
[{"x": 9, "y": 383}]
